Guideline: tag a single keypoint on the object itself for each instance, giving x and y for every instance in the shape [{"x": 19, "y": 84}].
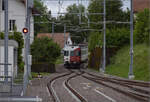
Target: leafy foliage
[
  {"x": 17, "y": 36},
  {"x": 75, "y": 21},
  {"x": 94, "y": 40},
  {"x": 116, "y": 34},
  {"x": 142, "y": 26},
  {"x": 114, "y": 37},
  {"x": 114, "y": 12},
  {"x": 118, "y": 37},
  {"x": 75, "y": 17},
  {"x": 45, "y": 50},
  {"x": 44, "y": 17},
  {"x": 120, "y": 63}
]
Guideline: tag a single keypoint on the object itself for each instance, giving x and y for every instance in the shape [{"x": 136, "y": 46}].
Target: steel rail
[
  {"x": 74, "y": 91},
  {"x": 139, "y": 96},
  {"x": 128, "y": 93},
  {"x": 51, "y": 89},
  {"x": 131, "y": 82},
  {"x": 124, "y": 84}
]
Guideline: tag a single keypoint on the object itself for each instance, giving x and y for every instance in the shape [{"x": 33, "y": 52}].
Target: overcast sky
[{"x": 56, "y": 7}]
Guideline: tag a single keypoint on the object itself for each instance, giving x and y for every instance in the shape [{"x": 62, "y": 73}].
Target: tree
[
  {"x": 116, "y": 34},
  {"x": 44, "y": 17},
  {"x": 94, "y": 40},
  {"x": 45, "y": 50},
  {"x": 142, "y": 26},
  {"x": 79, "y": 21},
  {"x": 115, "y": 38},
  {"x": 114, "y": 12},
  {"x": 75, "y": 17}
]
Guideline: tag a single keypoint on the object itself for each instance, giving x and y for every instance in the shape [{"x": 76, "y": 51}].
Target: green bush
[
  {"x": 45, "y": 50},
  {"x": 19, "y": 38},
  {"x": 94, "y": 40},
  {"x": 121, "y": 61},
  {"x": 114, "y": 37},
  {"x": 118, "y": 37},
  {"x": 142, "y": 26}
]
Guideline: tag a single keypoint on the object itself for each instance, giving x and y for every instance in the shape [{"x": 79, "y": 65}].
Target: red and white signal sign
[{"x": 25, "y": 30}]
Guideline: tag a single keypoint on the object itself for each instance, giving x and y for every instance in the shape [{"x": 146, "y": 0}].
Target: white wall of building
[
  {"x": 17, "y": 11},
  {"x": 10, "y": 60}
]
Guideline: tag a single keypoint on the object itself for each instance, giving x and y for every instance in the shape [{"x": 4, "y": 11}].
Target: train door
[{"x": 66, "y": 57}]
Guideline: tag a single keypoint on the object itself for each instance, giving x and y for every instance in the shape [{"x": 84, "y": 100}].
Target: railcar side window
[
  {"x": 66, "y": 53},
  {"x": 78, "y": 53}
]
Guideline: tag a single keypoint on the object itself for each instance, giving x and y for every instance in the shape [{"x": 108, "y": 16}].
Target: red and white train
[{"x": 75, "y": 55}]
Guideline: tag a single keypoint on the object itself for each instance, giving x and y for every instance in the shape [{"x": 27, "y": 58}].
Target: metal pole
[
  {"x": 104, "y": 43},
  {"x": 64, "y": 35},
  {"x": 28, "y": 36},
  {"x": 131, "y": 76},
  {"x": 6, "y": 40},
  {"x": 29, "y": 31},
  {"x": 26, "y": 70},
  {"x": 52, "y": 30}
]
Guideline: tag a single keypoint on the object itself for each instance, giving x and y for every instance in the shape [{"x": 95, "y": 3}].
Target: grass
[
  {"x": 121, "y": 61},
  {"x": 60, "y": 60},
  {"x": 19, "y": 79},
  {"x": 34, "y": 74}
]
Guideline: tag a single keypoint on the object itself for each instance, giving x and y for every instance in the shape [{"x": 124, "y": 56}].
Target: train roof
[{"x": 70, "y": 47}]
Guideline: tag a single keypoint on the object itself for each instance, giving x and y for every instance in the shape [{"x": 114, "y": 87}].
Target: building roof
[
  {"x": 57, "y": 37},
  {"x": 140, "y": 5}
]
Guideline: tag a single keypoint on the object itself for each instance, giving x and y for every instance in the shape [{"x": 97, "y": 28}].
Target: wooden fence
[{"x": 96, "y": 57}]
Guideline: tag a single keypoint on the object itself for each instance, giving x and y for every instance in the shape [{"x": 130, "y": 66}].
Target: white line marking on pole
[
  {"x": 105, "y": 95},
  {"x": 75, "y": 97}
]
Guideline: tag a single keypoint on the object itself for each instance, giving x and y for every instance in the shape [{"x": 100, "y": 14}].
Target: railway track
[
  {"x": 125, "y": 81},
  {"x": 53, "y": 94},
  {"x": 82, "y": 99},
  {"x": 132, "y": 87},
  {"x": 139, "y": 94},
  {"x": 126, "y": 87},
  {"x": 49, "y": 85}
]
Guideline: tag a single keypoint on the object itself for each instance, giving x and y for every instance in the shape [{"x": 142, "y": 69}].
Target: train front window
[
  {"x": 66, "y": 53},
  {"x": 72, "y": 53}
]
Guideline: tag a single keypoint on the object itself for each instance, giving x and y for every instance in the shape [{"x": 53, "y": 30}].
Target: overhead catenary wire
[
  {"x": 90, "y": 22},
  {"x": 76, "y": 0},
  {"x": 73, "y": 13},
  {"x": 79, "y": 13}
]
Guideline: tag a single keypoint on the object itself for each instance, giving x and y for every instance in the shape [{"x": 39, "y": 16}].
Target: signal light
[{"x": 25, "y": 30}]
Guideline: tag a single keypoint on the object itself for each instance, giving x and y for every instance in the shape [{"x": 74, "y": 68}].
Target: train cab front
[
  {"x": 75, "y": 57},
  {"x": 66, "y": 58}
]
